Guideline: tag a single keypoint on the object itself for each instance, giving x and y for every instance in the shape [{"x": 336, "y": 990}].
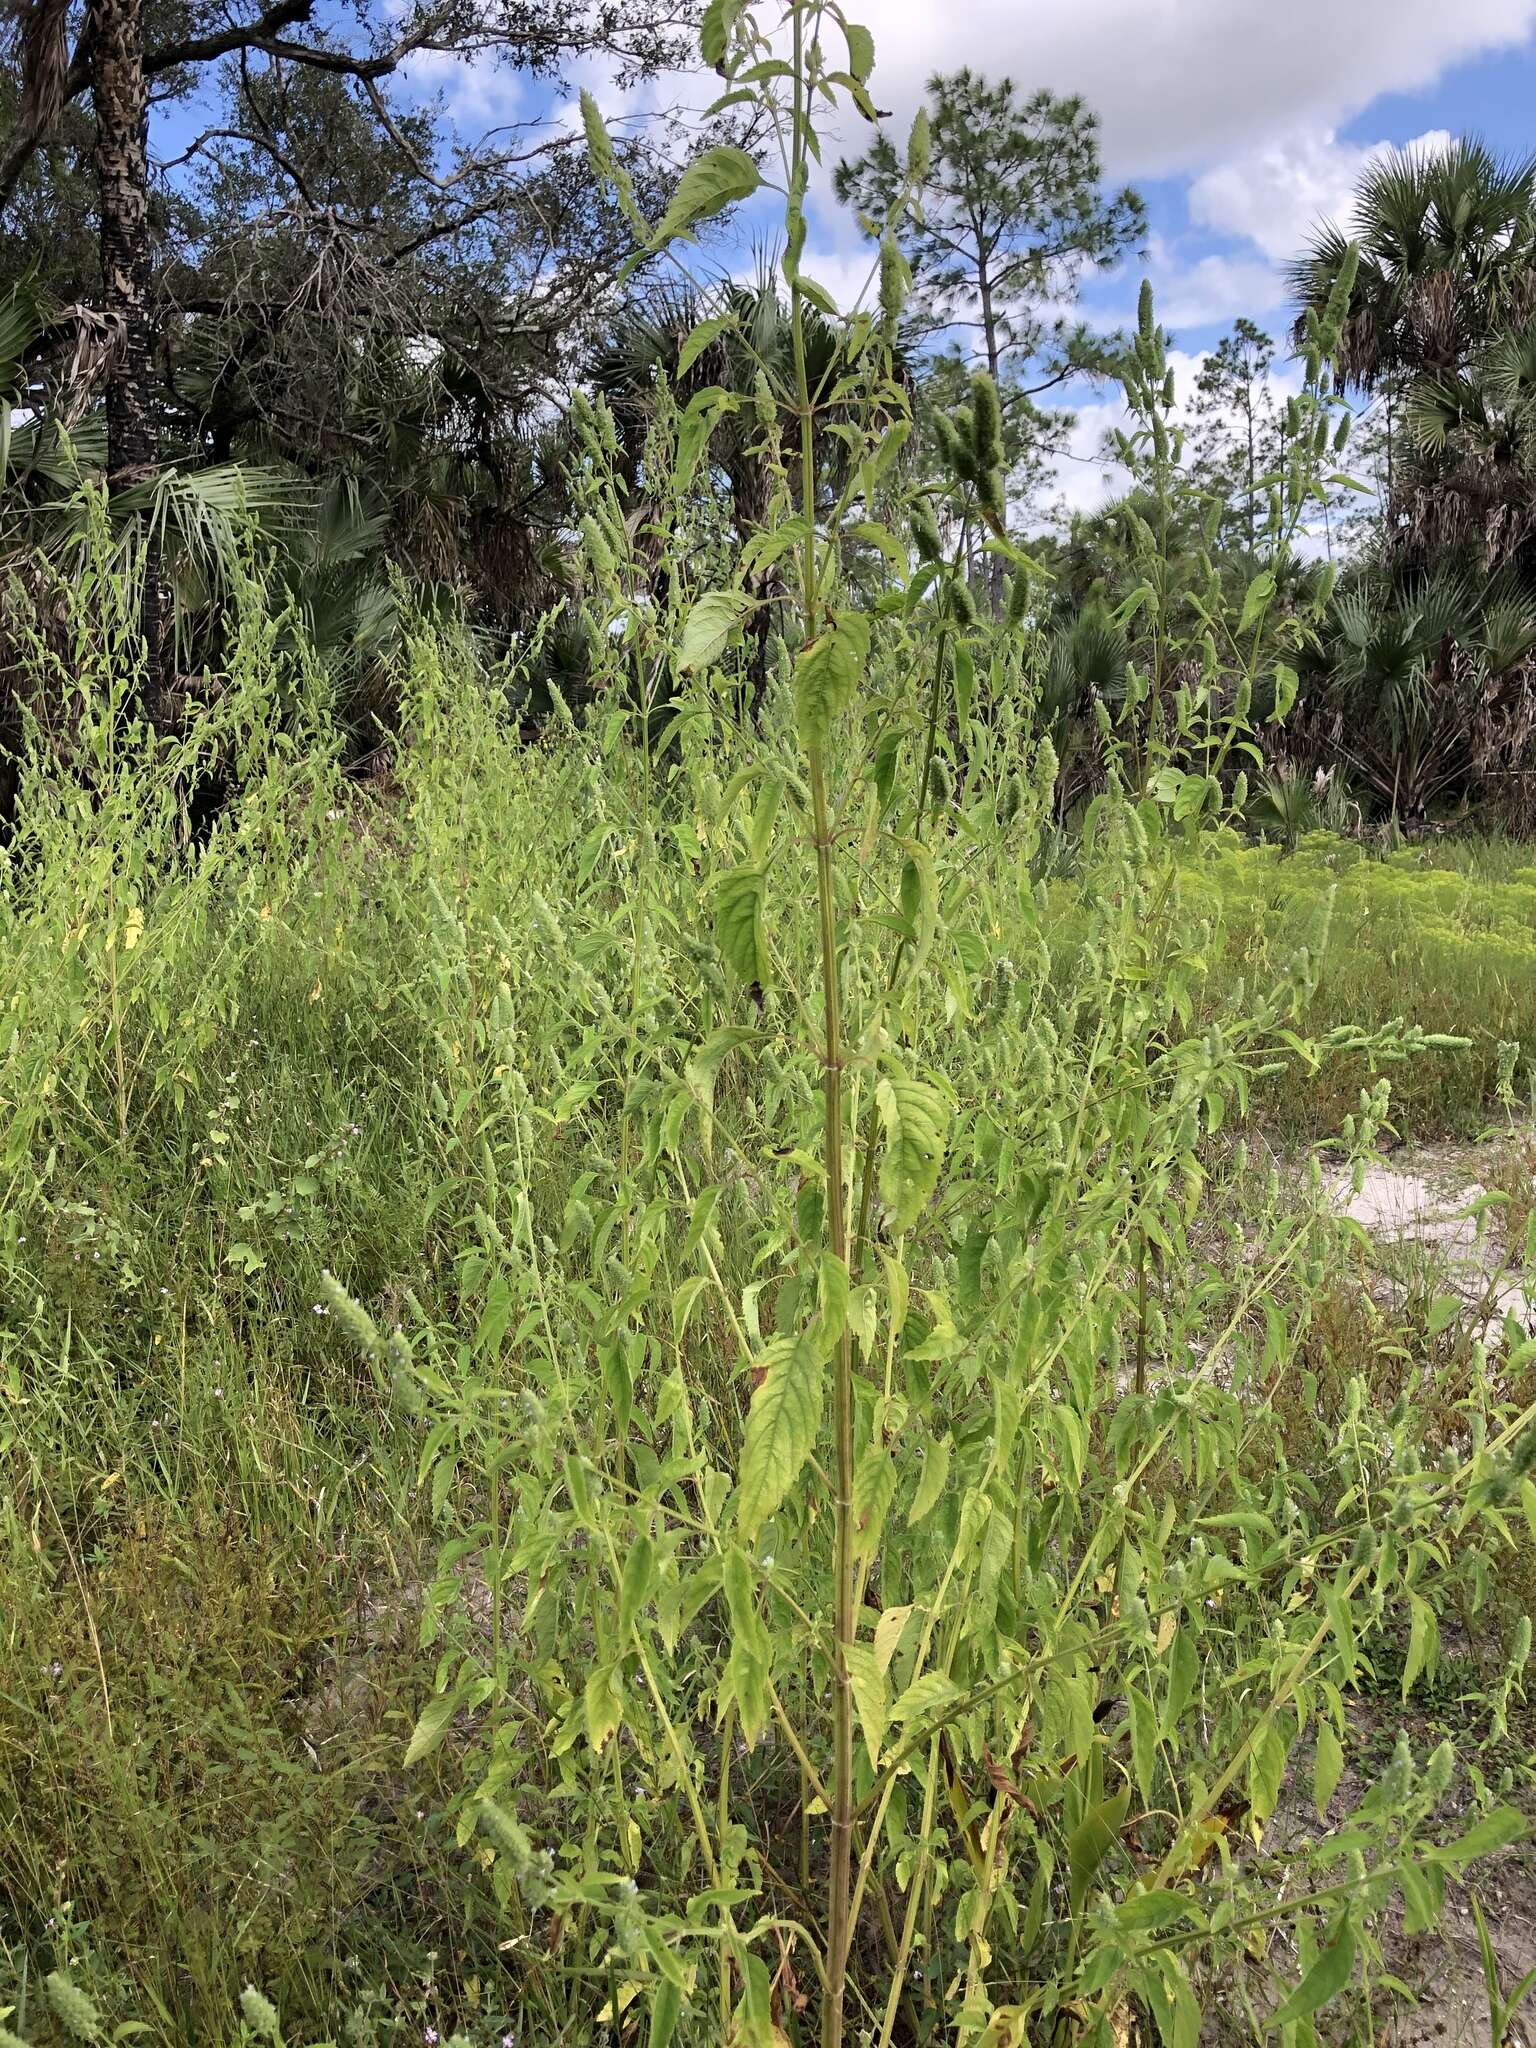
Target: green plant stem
[
  {"x": 898, "y": 958},
  {"x": 722, "y": 1822},
  {"x": 839, "y": 1879}
]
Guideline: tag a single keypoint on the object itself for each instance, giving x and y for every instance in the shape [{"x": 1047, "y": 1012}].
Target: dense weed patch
[{"x": 655, "y": 1385}]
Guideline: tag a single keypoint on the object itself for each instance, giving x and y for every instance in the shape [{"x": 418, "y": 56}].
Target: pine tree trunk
[{"x": 122, "y": 172}]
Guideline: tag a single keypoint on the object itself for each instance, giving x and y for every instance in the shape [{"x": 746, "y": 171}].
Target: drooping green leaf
[
  {"x": 635, "y": 1587},
  {"x": 433, "y": 1724},
  {"x": 932, "y": 1481},
  {"x": 666, "y": 2011},
  {"x": 1266, "y": 1770},
  {"x": 1091, "y": 1841},
  {"x": 1327, "y": 1767},
  {"x": 699, "y": 338},
  {"x": 739, "y": 923},
  {"x": 715, "y": 29},
  {"x": 1256, "y": 599},
  {"x": 1325, "y": 1980},
  {"x": 754, "y": 2027},
  {"x": 1143, "y": 1742},
  {"x": 827, "y": 673},
  {"x": 782, "y": 1424},
  {"x": 874, "y": 1484},
  {"x": 710, "y": 623},
  {"x": 719, "y": 178},
  {"x": 832, "y": 1301},
  {"x": 704, "y": 1064},
  {"x": 915, "y": 1121}
]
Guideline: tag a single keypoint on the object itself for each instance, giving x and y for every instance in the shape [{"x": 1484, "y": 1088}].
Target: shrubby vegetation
[{"x": 682, "y": 1367}]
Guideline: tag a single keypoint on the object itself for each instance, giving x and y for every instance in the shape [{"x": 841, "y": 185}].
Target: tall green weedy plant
[{"x": 902, "y": 1593}]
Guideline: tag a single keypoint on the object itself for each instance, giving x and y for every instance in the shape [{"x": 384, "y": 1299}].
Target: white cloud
[
  {"x": 1277, "y": 195},
  {"x": 1188, "y": 290},
  {"x": 1184, "y": 83},
  {"x": 474, "y": 88},
  {"x": 1215, "y": 289},
  {"x": 1085, "y": 480}
]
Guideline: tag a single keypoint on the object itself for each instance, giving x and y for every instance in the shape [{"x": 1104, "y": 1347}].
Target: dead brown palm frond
[{"x": 42, "y": 39}]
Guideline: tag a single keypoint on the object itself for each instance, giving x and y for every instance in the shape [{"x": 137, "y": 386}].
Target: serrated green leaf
[
  {"x": 915, "y": 1120},
  {"x": 710, "y": 623},
  {"x": 781, "y": 1430},
  {"x": 925, "y": 1698},
  {"x": 719, "y": 178},
  {"x": 861, "y": 50},
  {"x": 827, "y": 674},
  {"x": 867, "y": 1678},
  {"x": 739, "y": 923}
]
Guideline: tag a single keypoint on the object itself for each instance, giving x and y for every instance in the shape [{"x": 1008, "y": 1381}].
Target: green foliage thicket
[
  {"x": 467, "y": 1045},
  {"x": 647, "y": 1389},
  {"x": 1444, "y": 935}
]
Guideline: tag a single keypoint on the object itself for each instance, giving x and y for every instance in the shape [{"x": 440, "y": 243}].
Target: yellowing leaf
[
  {"x": 867, "y": 1678},
  {"x": 781, "y": 1427},
  {"x": 603, "y": 1701}
]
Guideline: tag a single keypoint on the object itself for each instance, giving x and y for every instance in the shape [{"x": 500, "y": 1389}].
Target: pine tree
[
  {"x": 1014, "y": 217},
  {"x": 1236, "y": 428}
]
